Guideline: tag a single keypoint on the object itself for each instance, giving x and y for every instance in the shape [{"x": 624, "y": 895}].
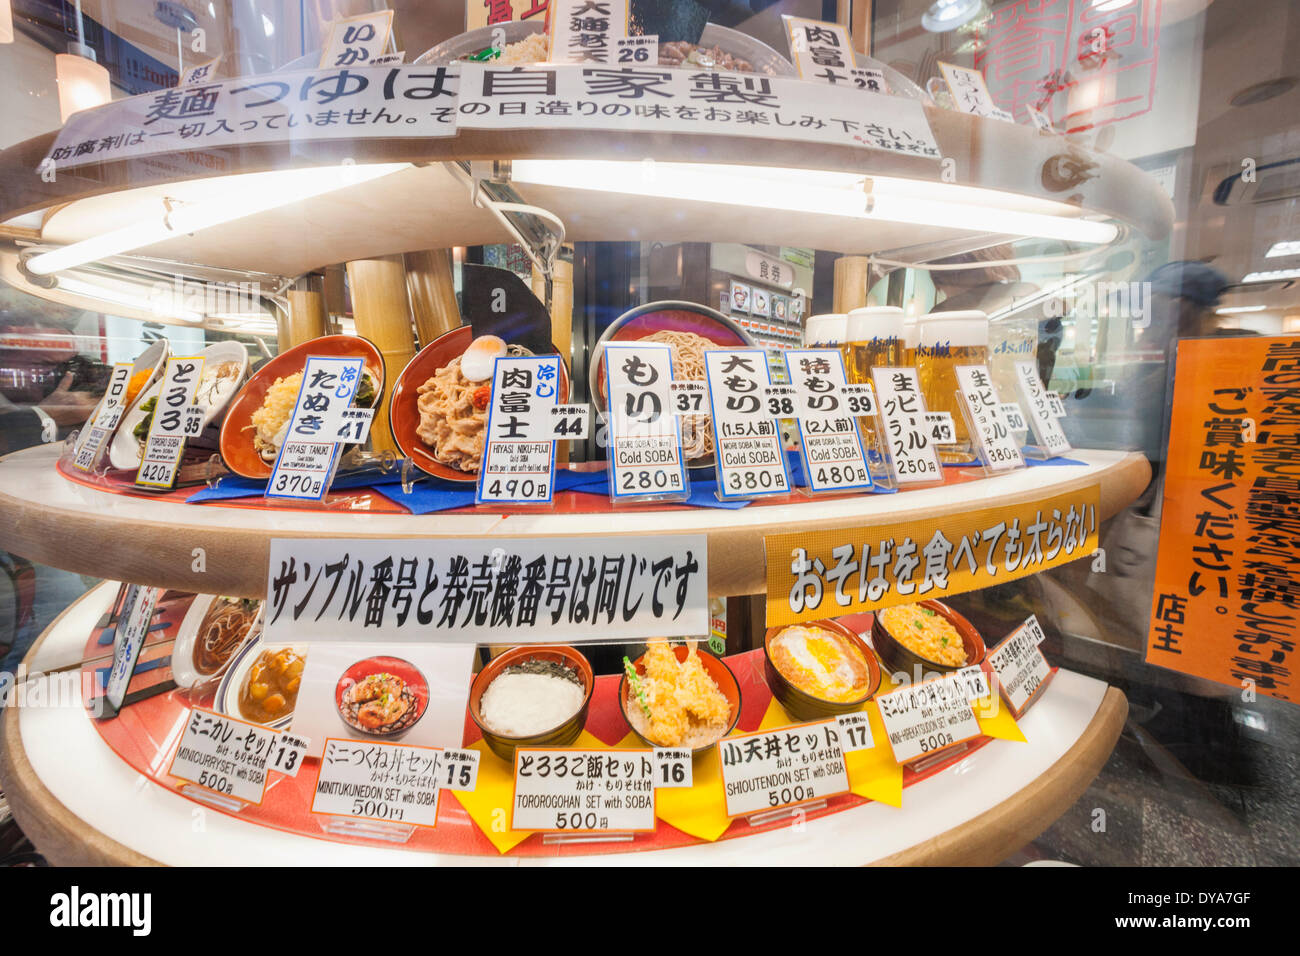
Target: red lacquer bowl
[
  {"x": 237, "y": 449},
  {"x": 406, "y": 671},
  {"x": 404, "y": 411}
]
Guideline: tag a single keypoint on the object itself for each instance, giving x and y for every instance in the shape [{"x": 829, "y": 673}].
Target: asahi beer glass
[
  {"x": 944, "y": 341},
  {"x": 874, "y": 339}
]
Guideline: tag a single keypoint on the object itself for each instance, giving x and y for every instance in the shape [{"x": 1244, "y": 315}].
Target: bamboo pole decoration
[
  {"x": 851, "y": 273},
  {"x": 307, "y": 318},
  {"x": 382, "y": 314},
  {"x": 431, "y": 286}
]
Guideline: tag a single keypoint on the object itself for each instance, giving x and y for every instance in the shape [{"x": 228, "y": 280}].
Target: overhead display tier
[
  {"x": 92, "y": 792},
  {"x": 605, "y": 184},
  {"x": 155, "y": 540}
]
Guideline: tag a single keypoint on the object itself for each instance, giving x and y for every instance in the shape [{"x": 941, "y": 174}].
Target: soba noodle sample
[
  {"x": 688, "y": 366},
  {"x": 221, "y": 632},
  {"x": 453, "y": 417}
]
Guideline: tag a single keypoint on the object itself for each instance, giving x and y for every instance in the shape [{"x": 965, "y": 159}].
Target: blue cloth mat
[
  {"x": 139, "y": 668},
  {"x": 110, "y": 633},
  {"x": 1031, "y": 462},
  {"x": 237, "y": 486}
]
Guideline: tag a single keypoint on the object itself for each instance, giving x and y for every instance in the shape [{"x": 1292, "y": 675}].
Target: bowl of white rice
[{"x": 532, "y": 696}]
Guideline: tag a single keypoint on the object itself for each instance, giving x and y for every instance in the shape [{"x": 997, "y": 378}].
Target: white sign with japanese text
[
  {"x": 902, "y": 407},
  {"x": 354, "y": 102},
  {"x": 821, "y": 51},
  {"x": 459, "y": 770},
  {"x": 573, "y": 96},
  {"x": 992, "y": 432},
  {"x": 584, "y": 790},
  {"x": 645, "y": 438},
  {"x": 927, "y": 717},
  {"x": 1020, "y": 666},
  {"x": 674, "y": 768},
  {"x": 224, "y": 755},
  {"x": 132, "y": 629},
  {"x": 855, "y": 732},
  {"x": 199, "y": 73},
  {"x": 871, "y": 80},
  {"x": 519, "y": 450},
  {"x": 829, "y": 439},
  {"x": 305, "y": 464},
  {"x": 356, "y": 41},
  {"x": 288, "y": 751},
  {"x": 588, "y": 31},
  {"x": 369, "y": 780},
  {"x": 970, "y": 94},
  {"x": 1040, "y": 119},
  {"x": 92, "y": 440},
  {"x": 466, "y": 591},
  {"x": 1015, "y": 416},
  {"x": 171, "y": 426},
  {"x": 1033, "y": 397},
  {"x": 746, "y": 438},
  {"x": 781, "y": 768},
  {"x": 638, "y": 51}
]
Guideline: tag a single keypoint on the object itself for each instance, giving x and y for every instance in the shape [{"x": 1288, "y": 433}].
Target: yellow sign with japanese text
[
  {"x": 485, "y": 13},
  {"x": 1224, "y": 605},
  {"x": 850, "y": 570}
]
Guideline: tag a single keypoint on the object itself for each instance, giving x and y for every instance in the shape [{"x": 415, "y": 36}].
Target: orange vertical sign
[{"x": 1227, "y": 590}]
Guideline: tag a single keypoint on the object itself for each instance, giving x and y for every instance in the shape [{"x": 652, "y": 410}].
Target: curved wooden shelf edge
[
  {"x": 58, "y": 834},
  {"x": 161, "y": 554},
  {"x": 986, "y": 153},
  {"x": 994, "y": 835},
  {"x": 67, "y": 840}
]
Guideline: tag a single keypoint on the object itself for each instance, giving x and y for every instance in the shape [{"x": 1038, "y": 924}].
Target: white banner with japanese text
[
  {"x": 356, "y": 102},
  {"x": 467, "y": 591}
]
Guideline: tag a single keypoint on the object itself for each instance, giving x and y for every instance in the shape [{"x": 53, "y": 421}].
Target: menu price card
[
  {"x": 224, "y": 755},
  {"x": 821, "y": 51},
  {"x": 357, "y": 41},
  {"x": 287, "y": 753},
  {"x": 305, "y": 464},
  {"x": 519, "y": 454},
  {"x": 1022, "y": 670},
  {"x": 584, "y": 790},
  {"x": 902, "y": 406},
  {"x": 970, "y": 94},
  {"x": 638, "y": 51},
  {"x": 673, "y": 768},
  {"x": 928, "y": 717},
  {"x": 645, "y": 437},
  {"x": 588, "y": 31},
  {"x": 1015, "y": 416},
  {"x": 1055, "y": 404},
  {"x": 132, "y": 629},
  {"x": 459, "y": 770},
  {"x": 942, "y": 429},
  {"x": 91, "y": 442},
  {"x": 749, "y": 458},
  {"x": 991, "y": 430},
  {"x": 780, "y": 768},
  {"x": 1047, "y": 430},
  {"x": 368, "y": 780},
  {"x": 171, "y": 425},
  {"x": 829, "y": 439},
  {"x": 855, "y": 732}
]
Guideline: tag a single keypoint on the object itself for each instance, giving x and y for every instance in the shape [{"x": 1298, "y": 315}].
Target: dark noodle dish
[{"x": 222, "y": 632}]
